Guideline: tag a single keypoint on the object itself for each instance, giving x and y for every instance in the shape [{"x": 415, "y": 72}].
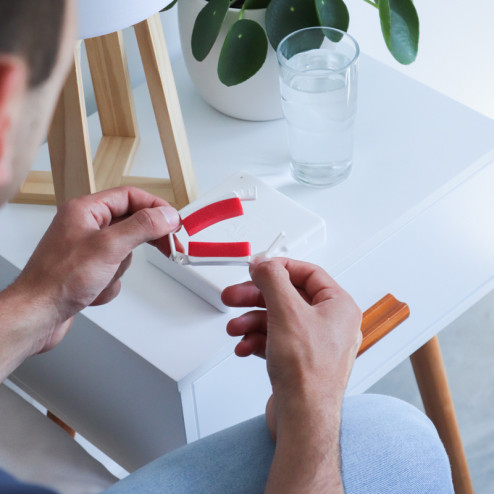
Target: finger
[
  {"x": 243, "y": 295},
  {"x": 143, "y": 226},
  {"x": 108, "y": 294},
  {"x": 124, "y": 265},
  {"x": 252, "y": 344},
  {"x": 273, "y": 279},
  {"x": 271, "y": 417},
  {"x": 254, "y": 321},
  {"x": 107, "y": 205},
  {"x": 312, "y": 279},
  {"x": 304, "y": 295}
]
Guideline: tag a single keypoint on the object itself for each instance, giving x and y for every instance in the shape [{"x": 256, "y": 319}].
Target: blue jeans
[{"x": 387, "y": 446}]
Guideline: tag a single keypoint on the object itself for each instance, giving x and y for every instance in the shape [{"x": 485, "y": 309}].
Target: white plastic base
[{"x": 263, "y": 219}]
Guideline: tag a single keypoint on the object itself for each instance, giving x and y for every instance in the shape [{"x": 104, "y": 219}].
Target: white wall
[{"x": 456, "y": 50}]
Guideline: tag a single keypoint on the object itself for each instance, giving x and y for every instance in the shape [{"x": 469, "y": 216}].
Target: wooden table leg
[
  {"x": 166, "y": 105},
  {"x": 68, "y": 141},
  {"x": 431, "y": 378}
]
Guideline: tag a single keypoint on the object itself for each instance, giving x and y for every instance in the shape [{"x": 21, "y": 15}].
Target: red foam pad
[
  {"x": 219, "y": 249},
  {"x": 214, "y": 213}
]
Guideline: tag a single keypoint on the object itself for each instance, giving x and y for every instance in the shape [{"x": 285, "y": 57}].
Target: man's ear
[{"x": 13, "y": 82}]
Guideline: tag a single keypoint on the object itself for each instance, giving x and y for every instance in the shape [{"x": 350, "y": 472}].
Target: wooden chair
[{"x": 428, "y": 367}]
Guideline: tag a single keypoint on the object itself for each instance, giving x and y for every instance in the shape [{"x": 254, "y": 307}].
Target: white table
[{"x": 155, "y": 368}]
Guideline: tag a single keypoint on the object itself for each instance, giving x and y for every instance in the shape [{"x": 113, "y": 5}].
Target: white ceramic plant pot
[
  {"x": 258, "y": 98},
  {"x": 98, "y": 17}
]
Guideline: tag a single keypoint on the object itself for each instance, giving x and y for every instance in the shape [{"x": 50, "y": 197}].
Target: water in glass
[{"x": 319, "y": 103}]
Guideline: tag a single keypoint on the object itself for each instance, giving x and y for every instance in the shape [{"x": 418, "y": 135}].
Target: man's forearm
[
  {"x": 307, "y": 456},
  {"x": 22, "y": 323}
]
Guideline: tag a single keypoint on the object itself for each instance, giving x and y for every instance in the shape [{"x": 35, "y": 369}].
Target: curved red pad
[
  {"x": 219, "y": 249},
  {"x": 214, "y": 213}
]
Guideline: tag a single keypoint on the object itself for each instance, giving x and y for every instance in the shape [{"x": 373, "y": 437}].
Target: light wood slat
[
  {"x": 113, "y": 159},
  {"x": 166, "y": 106},
  {"x": 37, "y": 189},
  {"x": 68, "y": 141},
  {"x": 112, "y": 87},
  {"x": 380, "y": 319},
  {"x": 432, "y": 381},
  {"x": 160, "y": 187},
  {"x": 70, "y": 156}
]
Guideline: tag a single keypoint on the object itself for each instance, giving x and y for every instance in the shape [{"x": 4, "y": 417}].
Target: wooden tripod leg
[
  {"x": 116, "y": 110},
  {"x": 111, "y": 83},
  {"x": 166, "y": 105},
  {"x": 431, "y": 378},
  {"x": 68, "y": 141}
]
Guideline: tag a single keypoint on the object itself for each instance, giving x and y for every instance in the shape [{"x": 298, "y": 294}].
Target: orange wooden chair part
[{"x": 432, "y": 381}]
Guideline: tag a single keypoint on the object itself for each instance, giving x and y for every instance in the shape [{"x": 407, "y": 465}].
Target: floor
[{"x": 468, "y": 347}]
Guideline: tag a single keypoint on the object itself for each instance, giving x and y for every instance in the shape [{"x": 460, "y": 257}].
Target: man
[{"x": 302, "y": 322}]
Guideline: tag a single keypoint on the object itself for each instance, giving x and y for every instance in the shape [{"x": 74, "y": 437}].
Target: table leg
[
  {"x": 68, "y": 141},
  {"x": 166, "y": 105},
  {"x": 433, "y": 385}
]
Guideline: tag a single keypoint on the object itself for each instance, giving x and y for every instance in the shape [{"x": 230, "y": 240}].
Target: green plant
[{"x": 245, "y": 47}]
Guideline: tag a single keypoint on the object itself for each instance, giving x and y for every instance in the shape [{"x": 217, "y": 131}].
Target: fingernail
[
  {"x": 171, "y": 215},
  {"x": 260, "y": 259},
  {"x": 256, "y": 261}
]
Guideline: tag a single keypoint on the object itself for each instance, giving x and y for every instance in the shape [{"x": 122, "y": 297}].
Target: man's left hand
[{"x": 87, "y": 249}]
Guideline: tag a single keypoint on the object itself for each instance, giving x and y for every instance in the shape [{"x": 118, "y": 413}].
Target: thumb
[
  {"x": 145, "y": 225},
  {"x": 273, "y": 280}
]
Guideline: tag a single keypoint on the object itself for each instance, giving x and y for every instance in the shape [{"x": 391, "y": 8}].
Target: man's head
[{"x": 36, "y": 47}]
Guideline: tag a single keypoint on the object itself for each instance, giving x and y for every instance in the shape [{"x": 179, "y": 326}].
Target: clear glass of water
[{"x": 318, "y": 79}]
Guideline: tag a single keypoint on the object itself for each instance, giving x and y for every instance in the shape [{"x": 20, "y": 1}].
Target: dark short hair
[{"x": 31, "y": 29}]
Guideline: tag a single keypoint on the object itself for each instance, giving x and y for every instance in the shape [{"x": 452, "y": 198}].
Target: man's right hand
[{"x": 309, "y": 335}]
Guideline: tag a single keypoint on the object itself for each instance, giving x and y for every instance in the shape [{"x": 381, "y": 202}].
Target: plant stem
[
  {"x": 241, "y": 14},
  {"x": 370, "y": 2}
]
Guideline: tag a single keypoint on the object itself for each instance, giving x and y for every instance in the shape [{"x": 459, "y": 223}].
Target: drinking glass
[{"x": 318, "y": 79}]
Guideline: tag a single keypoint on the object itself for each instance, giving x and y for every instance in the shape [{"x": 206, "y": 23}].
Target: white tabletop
[{"x": 412, "y": 145}]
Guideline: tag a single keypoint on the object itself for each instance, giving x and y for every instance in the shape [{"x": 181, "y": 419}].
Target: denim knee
[{"x": 388, "y": 446}]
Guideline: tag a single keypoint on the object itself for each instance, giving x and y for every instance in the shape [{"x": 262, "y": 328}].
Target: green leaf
[
  {"x": 207, "y": 27},
  {"x": 169, "y": 6},
  {"x": 400, "y": 28},
  {"x": 255, "y": 4},
  {"x": 333, "y": 13},
  {"x": 286, "y": 16},
  {"x": 243, "y": 53}
]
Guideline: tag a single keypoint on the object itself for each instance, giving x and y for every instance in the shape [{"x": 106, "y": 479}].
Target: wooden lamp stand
[{"x": 74, "y": 172}]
